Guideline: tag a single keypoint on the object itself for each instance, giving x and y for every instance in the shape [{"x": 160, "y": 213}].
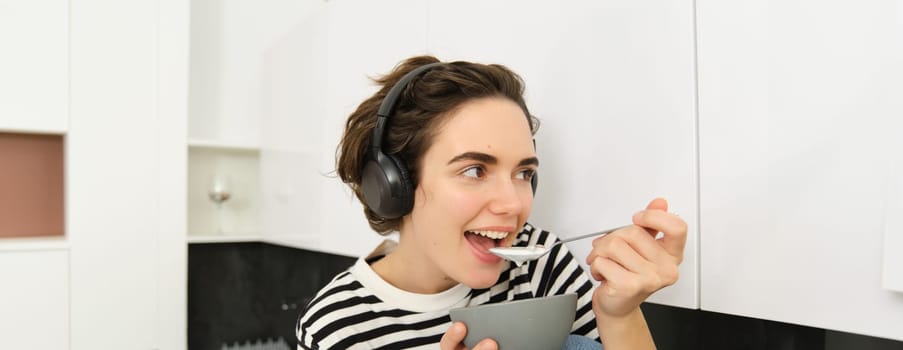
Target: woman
[{"x": 443, "y": 154}]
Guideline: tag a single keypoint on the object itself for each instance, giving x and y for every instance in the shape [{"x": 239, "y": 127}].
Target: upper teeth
[{"x": 492, "y": 234}]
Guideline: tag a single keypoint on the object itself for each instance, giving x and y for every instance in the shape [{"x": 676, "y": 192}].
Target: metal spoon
[{"x": 520, "y": 255}]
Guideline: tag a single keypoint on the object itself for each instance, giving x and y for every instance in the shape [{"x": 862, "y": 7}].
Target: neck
[{"x": 408, "y": 269}]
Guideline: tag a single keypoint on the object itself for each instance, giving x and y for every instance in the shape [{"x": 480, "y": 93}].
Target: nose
[{"x": 506, "y": 198}]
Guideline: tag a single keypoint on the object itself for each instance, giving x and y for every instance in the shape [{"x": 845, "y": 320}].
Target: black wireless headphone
[{"x": 386, "y": 183}]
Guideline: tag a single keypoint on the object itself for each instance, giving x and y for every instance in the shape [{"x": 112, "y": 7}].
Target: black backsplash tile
[
  {"x": 241, "y": 292},
  {"x": 678, "y": 328},
  {"x": 247, "y": 291}
]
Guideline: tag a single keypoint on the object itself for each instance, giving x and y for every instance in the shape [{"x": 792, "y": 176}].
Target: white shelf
[
  {"x": 298, "y": 242},
  {"x": 34, "y": 244},
  {"x": 225, "y": 238},
  {"x": 220, "y": 145},
  {"x": 240, "y": 214},
  {"x": 32, "y": 131}
]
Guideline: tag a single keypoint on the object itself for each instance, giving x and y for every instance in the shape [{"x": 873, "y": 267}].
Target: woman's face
[{"x": 474, "y": 190}]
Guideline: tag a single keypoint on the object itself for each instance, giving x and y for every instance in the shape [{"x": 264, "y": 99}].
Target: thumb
[
  {"x": 453, "y": 337},
  {"x": 658, "y": 204}
]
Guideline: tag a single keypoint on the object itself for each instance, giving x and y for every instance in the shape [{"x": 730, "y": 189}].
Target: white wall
[{"x": 799, "y": 118}]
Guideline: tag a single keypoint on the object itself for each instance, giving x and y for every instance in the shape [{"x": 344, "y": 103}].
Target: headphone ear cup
[
  {"x": 406, "y": 187},
  {"x": 387, "y": 187}
]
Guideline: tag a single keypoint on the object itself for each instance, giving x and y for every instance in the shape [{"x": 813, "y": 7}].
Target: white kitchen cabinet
[
  {"x": 316, "y": 76},
  {"x": 613, "y": 87},
  {"x": 798, "y": 106},
  {"x": 365, "y": 39},
  {"x": 231, "y": 43},
  {"x": 34, "y": 300},
  {"x": 224, "y": 119},
  {"x": 305, "y": 114},
  {"x": 125, "y": 174},
  {"x": 34, "y": 92},
  {"x": 116, "y": 72},
  {"x": 799, "y": 118},
  {"x": 293, "y": 114},
  {"x": 892, "y": 269},
  {"x": 224, "y": 105}
]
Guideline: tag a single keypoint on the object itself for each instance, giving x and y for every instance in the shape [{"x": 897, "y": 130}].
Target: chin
[
  {"x": 481, "y": 284},
  {"x": 483, "y": 279}
]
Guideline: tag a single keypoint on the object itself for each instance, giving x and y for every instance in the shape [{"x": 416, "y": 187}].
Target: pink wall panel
[{"x": 31, "y": 185}]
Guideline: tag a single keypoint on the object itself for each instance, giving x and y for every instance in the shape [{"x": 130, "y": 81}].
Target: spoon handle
[{"x": 594, "y": 234}]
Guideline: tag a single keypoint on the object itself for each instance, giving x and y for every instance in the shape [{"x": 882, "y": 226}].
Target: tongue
[{"x": 480, "y": 241}]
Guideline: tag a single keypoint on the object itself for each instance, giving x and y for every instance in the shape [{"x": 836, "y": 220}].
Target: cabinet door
[
  {"x": 317, "y": 76},
  {"x": 34, "y": 300},
  {"x": 366, "y": 39},
  {"x": 612, "y": 85},
  {"x": 799, "y": 114},
  {"x": 120, "y": 194},
  {"x": 34, "y": 65},
  {"x": 292, "y": 119}
]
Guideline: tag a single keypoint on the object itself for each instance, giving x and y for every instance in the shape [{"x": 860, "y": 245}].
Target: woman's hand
[
  {"x": 632, "y": 265},
  {"x": 453, "y": 339}
]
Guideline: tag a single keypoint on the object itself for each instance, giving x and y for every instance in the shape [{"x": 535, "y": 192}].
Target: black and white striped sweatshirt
[{"x": 359, "y": 310}]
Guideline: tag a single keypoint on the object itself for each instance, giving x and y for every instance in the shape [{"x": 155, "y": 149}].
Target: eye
[
  {"x": 526, "y": 174},
  {"x": 475, "y": 171}
]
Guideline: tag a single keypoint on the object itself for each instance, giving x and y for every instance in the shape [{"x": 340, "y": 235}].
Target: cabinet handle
[{"x": 892, "y": 274}]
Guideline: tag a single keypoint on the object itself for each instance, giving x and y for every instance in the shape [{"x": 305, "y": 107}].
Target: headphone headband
[
  {"x": 388, "y": 188},
  {"x": 389, "y": 102}
]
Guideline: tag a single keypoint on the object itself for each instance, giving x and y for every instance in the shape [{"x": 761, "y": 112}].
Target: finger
[
  {"x": 636, "y": 237},
  {"x": 593, "y": 254},
  {"x": 645, "y": 245},
  {"x": 673, "y": 227},
  {"x": 654, "y": 273},
  {"x": 590, "y": 260},
  {"x": 620, "y": 251},
  {"x": 656, "y": 204},
  {"x": 486, "y": 344},
  {"x": 614, "y": 275},
  {"x": 453, "y": 337}
]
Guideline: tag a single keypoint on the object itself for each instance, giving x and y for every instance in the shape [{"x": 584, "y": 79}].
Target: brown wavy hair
[{"x": 417, "y": 117}]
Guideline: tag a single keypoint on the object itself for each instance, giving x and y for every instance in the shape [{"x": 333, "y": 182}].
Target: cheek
[
  {"x": 447, "y": 203},
  {"x": 462, "y": 205},
  {"x": 527, "y": 200}
]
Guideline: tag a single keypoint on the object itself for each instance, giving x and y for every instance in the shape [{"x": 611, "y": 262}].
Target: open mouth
[{"x": 484, "y": 240}]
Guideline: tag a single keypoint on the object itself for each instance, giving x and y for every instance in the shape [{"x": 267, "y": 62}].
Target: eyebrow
[{"x": 489, "y": 159}]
